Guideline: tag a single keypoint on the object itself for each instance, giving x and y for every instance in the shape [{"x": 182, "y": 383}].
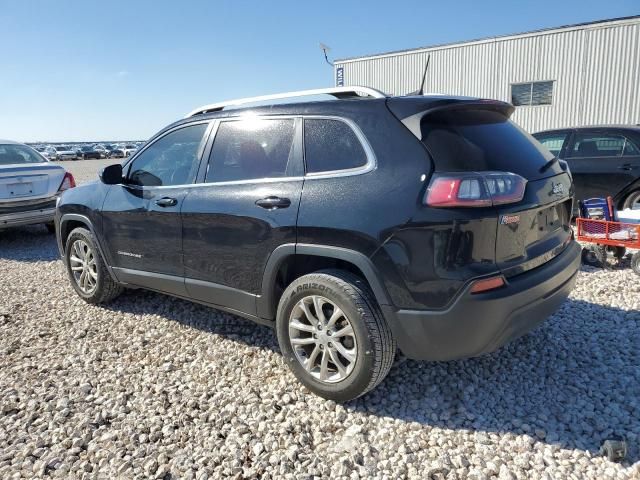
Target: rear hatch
[
  {"x": 479, "y": 137},
  {"x": 27, "y": 181}
]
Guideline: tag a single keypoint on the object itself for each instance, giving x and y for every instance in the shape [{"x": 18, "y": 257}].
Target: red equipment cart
[{"x": 608, "y": 235}]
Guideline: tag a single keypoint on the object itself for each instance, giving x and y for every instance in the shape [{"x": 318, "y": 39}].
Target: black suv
[{"x": 354, "y": 226}]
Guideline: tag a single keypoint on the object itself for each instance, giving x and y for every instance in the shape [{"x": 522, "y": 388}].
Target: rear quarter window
[
  {"x": 481, "y": 140},
  {"x": 331, "y": 145}
]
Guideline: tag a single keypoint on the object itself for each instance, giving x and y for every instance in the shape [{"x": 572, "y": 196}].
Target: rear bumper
[
  {"x": 481, "y": 323},
  {"x": 27, "y": 218}
]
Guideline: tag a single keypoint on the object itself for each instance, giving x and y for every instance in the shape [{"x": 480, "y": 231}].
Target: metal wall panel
[
  {"x": 610, "y": 89},
  {"x": 595, "y": 69}
]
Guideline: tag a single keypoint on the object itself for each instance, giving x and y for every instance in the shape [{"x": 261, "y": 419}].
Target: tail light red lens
[
  {"x": 67, "y": 182},
  {"x": 474, "y": 189}
]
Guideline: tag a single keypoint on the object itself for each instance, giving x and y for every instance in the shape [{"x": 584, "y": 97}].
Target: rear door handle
[
  {"x": 271, "y": 203},
  {"x": 626, "y": 166},
  {"x": 166, "y": 202}
]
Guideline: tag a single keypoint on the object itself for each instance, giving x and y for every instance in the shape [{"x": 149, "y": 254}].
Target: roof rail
[{"x": 338, "y": 92}]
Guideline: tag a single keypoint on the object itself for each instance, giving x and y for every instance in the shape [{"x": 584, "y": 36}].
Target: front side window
[
  {"x": 597, "y": 145},
  {"x": 331, "y": 145},
  {"x": 552, "y": 141},
  {"x": 16, "y": 154},
  {"x": 531, "y": 93},
  {"x": 251, "y": 149},
  {"x": 171, "y": 160}
]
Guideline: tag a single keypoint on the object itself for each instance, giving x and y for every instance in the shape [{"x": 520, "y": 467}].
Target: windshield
[
  {"x": 15, "y": 154},
  {"x": 62, "y": 149},
  {"x": 86, "y": 149}
]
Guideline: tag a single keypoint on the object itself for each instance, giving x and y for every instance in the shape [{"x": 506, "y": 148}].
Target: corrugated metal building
[{"x": 568, "y": 76}]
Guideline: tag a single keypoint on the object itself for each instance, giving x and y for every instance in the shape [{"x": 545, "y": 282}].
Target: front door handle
[
  {"x": 271, "y": 203},
  {"x": 166, "y": 202}
]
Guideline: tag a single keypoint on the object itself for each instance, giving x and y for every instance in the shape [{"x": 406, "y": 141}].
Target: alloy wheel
[
  {"x": 82, "y": 262},
  {"x": 322, "y": 339}
]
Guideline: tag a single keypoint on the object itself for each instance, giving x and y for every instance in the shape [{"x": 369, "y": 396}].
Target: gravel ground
[
  {"x": 154, "y": 387},
  {"x": 85, "y": 170}
]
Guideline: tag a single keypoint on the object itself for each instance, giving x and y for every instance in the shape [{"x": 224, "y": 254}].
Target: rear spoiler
[{"x": 411, "y": 110}]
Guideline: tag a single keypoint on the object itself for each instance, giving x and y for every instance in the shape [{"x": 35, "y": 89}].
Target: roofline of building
[{"x": 551, "y": 30}]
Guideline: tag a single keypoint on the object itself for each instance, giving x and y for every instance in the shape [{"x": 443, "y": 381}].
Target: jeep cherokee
[{"x": 354, "y": 226}]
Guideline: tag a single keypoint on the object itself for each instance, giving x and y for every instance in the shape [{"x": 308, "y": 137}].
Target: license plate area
[
  {"x": 20, "y": 189},
  {"x": 549, "y": 219}
]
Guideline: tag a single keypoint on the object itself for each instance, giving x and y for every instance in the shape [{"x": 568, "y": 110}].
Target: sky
[{"x": 89, "y": 70}]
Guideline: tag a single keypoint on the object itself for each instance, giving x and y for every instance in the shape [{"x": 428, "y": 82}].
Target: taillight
[
  {"x": 474, "y": 189},
  {"x": 67, "y": 182}
]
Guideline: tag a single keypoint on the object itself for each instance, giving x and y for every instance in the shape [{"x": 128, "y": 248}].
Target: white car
[
  {"x": 29, "y": 186},
  {"x": 129, "y": 149},
  {"x": 66, "y": 153},
  {"x": 49, "y": 153}
]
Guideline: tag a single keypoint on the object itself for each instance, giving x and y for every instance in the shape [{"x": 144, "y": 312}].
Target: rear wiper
[{"x": 546, "y": 166}]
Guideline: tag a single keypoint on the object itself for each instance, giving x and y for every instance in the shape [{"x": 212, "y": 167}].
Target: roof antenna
[
  {"x": 325, "y": 49},
  {"x": 424, "y": 77}
]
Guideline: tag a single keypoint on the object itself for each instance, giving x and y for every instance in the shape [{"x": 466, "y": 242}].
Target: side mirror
[{"x": 111, "y": 175}]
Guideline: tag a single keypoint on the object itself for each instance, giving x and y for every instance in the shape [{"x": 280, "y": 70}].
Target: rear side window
[
  {"x": 252, "y": 149},
  {"x": 331, "y": 145},
  {"x": 630, "y": 149},
  {"x": 552, "y": 141},
  {"x": 481, "y": 140},
  {"x": 597, "y": 145}
]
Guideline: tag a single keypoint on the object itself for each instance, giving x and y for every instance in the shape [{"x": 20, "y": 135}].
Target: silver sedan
[{"x": 29, "y": 186}]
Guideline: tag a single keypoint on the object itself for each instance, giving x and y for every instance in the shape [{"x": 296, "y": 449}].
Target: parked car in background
[
  {"x": 429, "y": 223},
  {"x": 50, "y": 153},
  {"x": 109, "y": 148},
  {"x": 129, "y": 149},
  {"x": 65, "y": 152},
  {"x": 604, "y": 160},
  {"x": 89, "y": 152},
  {"x": 41, "y": 150},
  {"x": 101, "y": 149},
  {"x": 29, "y": 186},
  {"x": 117, "y": 152}
]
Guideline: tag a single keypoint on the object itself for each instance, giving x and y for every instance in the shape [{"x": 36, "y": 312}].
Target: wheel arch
[
  {"x": 68, "y": 222},
  {"x": 312, "y": 258}
]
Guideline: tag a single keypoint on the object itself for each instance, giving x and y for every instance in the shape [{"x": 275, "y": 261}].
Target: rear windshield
[
  {"x": 12, "y": 154},
  {"x": 478, "y": 140}
]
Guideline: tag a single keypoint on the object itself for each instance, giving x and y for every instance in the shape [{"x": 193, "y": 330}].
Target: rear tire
[
  {"x": 330, "y": 362},
  {"x": 632, "y": 200},
  {"x": 635, "y": 262},
  {"x": 86, "y": 269}
]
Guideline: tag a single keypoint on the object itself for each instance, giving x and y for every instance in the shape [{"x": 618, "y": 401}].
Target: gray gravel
[
  {"x": 85, "y": 170},
  {"x": 154, "y": 387}
]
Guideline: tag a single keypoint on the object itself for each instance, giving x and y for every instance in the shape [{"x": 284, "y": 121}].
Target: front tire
[
  {"x": 86, "y": 269},
  {"x": 333, "y": 336}
]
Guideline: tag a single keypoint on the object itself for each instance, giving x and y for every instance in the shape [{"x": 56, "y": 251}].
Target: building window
[{"x": 532, "y": 93}]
